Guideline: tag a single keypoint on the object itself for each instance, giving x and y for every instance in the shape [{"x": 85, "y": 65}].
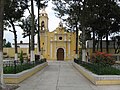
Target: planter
[
  {"x": 98, "y": 79},
  {"x": 19, "y": 77}
]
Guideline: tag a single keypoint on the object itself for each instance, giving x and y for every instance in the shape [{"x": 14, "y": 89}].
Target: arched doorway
[{"x": 60, "y": 54}]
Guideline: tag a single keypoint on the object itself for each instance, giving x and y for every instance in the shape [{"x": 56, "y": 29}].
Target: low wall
[
  {"x": 98, "y": 79},
  {"x": 19, "y": 77}
]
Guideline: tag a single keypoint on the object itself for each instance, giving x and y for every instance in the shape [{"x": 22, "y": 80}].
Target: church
[{"x": 58, "y": 44}]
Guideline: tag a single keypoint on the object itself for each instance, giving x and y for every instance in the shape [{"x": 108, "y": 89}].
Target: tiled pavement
[{"x": 61, "y": 76}]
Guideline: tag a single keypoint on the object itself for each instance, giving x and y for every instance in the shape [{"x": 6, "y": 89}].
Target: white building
[{"x": 23, "y": 45}]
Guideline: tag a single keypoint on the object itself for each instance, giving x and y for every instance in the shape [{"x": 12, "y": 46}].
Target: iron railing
[
  {"x": 98, "y": 68},
  {"x": 13, "y": 67}
]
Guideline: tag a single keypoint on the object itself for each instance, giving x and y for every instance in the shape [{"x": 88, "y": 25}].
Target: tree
[
  {"x": 32, "y": 58},
  {"x": 14, "y": 10},
  {"x": 107, "y": 13},
  {"x": 100, "y": 17},
  {"x": 21, "y": 57},
  {"x": 40, "y": 5},
  {"x": 26, "y": 26},
  {"x": 72, "y": 21},
  {"x": 8, "y": 44},
  {"x": 1, "y": 41},
  {"x": 76, "y": 20}
]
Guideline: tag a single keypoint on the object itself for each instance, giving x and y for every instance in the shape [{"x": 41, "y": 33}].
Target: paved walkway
[{"x": 61, "y": 76}]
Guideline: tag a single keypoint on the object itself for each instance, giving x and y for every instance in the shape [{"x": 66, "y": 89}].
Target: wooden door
[{"x": 60, "y": 54}]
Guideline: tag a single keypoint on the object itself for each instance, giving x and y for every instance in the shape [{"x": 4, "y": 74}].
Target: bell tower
[
  {"x": 43, "y": 21},
  {"x": 44, "y": 33}
]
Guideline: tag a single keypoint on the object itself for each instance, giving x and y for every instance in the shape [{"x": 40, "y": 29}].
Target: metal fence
[
  {"x": 98, "y": 68},
  {"x": 13, "y": 67},
  {"x": 116, "y": 57}
]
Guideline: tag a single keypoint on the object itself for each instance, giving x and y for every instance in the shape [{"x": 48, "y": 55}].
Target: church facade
[{"x": 58, "y": 44}]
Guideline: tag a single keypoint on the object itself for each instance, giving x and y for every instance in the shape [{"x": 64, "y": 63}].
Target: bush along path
[
  {"x": 13, "y": 67},
  {"x": 100, "y": 63}
]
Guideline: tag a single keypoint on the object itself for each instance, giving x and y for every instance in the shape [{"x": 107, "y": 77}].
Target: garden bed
[
  {"x": 13, "y": 67},
  {"x": 19, "y": 77},
  {"x": 98, "y": 79},
  {"x": 99, "y": 69}
]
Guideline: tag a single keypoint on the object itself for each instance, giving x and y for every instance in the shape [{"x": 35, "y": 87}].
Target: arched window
[{"x": 42, "y": 25}]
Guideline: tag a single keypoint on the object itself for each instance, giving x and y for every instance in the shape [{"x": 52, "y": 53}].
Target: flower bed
[{"x": 102, "y": 58}]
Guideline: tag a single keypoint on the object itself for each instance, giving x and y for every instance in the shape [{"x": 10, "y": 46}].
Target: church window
[
  {"x": 43, "y": 43},
  {"x": 42, "y": 14},
  {"x": 42, "y": 25},
  {"x": 60, "y": 38}
]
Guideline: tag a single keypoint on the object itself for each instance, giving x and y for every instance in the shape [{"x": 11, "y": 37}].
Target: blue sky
[{"x": 53, "y": 23}]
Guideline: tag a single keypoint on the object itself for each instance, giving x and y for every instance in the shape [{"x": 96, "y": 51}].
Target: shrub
[
  {"x": 37, "y": 57},
  {"x": 101, "y": 70},
  {"x": 102, "y": 58},
  {"x": 10, "y": 68},
  {"x": 98, "y": 69},
  {"x": 21, "y": 56}
]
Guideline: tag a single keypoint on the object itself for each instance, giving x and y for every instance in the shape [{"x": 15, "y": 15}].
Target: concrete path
[{"x": 61, "y": 76}]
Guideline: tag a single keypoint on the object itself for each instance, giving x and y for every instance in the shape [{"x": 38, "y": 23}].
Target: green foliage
[
  {"x": 10, "y": 69},
  {"x": 99, "y": 69},
  {"x": 98, "y": 16},
  {"x": 102, "y": 70},
  {"x": 26, "y": 26},
  {"x": 13, "y": 12},
  {"x": 21, "y": 57},
  {"x": 19, "y": 68},
  {"x": 72, "y": 10},
  {"x": 41, "y": 3},
  {"x": 8, "y": 44}
]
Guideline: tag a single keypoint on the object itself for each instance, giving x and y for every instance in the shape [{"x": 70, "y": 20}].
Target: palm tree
[{"x": 1, "y": 41}]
